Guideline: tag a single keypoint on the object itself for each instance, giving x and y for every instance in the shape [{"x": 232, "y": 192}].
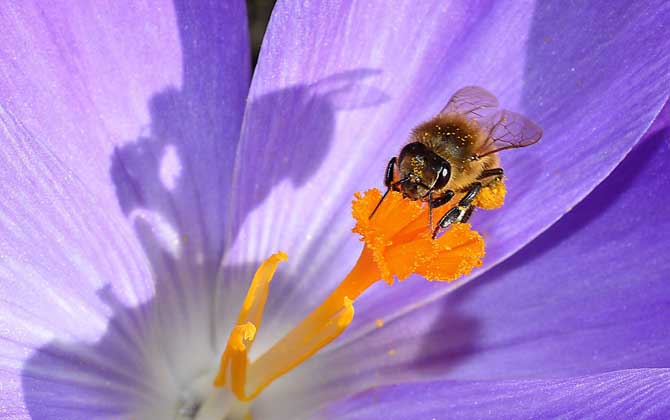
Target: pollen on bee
[{"x": 492, "y": 196}]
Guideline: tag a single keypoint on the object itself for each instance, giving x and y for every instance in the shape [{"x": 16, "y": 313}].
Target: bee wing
[
  {"x": 508, "y": 130},
  {"x": 472, "y": 101}
]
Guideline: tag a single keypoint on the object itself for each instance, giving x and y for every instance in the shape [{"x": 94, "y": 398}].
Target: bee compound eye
[{"x": 443, "y": 176}]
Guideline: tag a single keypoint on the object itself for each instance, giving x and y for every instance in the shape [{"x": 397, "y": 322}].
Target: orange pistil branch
[{"x": 397, "y": 243}]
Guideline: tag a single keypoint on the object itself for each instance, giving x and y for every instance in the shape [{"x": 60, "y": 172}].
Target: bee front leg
[
  {"x": 460, "y": 213},
  {"x": 390, "y": 172},
  {"x": 441, "y": 201},
  {"x": 388, "y": 181}
]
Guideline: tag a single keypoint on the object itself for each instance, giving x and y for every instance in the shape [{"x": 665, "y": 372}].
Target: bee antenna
[
  {"x": 379, "y": 204},
  {"x": 390, "y": 187}
]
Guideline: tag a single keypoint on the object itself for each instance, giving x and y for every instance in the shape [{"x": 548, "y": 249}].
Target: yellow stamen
[
  {"x": 234, "y": 360},
  {"x": 397, "y": 243}
]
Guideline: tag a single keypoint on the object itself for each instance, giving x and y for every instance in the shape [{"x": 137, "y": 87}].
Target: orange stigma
[
  {"x": 397, "y": 243},
  {"x": 399, "y": 238}
]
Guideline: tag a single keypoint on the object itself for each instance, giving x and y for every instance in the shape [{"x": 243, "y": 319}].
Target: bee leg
[
  {"x": 467, "y": 200},
  {"x": 447, "y": 220},
  {"x": 460, "y": 213},
  {"x": 441, "y": 201},
  {"x": 434, "y": 203},
  {"x": 491, "y": 172},
  {"x": 388, "y": 181},
  {"x": 468, "y": 214},
  {"x": 390, "y": 172}
]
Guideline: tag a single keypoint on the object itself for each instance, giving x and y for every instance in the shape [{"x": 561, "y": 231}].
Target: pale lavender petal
[
  {"x": 629, "y": 394},
  {"x": 115, "y": 125},
  {"x": 64, "y": 261},
  {"x": 590, "y": 295},
  {"x": 143, "y": 102},
  {"x": 339, "y": 86}
]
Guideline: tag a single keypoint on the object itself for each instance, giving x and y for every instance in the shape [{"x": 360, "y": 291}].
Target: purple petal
[
  {"x": 339, "y": 87},
  {"x": 629, "y": 394},
  {"x": 115, "y": 126},
  {"x": 143, "y": 103},
  {"x": 590, "y": 295}
]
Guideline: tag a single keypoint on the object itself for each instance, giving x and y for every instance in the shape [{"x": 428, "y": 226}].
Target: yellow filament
[
  {"x": 235, "y": 358},
  {"x": 317, "y": 330}
]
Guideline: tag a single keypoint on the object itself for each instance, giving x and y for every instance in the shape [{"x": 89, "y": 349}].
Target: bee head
[{"x": 423, "y": 171}]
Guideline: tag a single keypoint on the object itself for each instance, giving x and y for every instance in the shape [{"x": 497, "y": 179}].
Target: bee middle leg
[
  {"x": 437, "y": 202},
  {"x": 468, "y": 214},
  {"x": 460, "y": 213},
  {"x": 487, "y": 173}
]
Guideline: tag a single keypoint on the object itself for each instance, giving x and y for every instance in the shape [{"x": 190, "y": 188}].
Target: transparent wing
[
  {"x": 508, "y": 130},
  {"x": 473, "y": 102}
]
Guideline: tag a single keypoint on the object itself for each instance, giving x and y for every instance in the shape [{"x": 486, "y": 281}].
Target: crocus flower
[{"x": 144, "y": 183}]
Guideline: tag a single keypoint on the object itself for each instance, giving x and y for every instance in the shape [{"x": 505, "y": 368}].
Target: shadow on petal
[
  {"x": 585, "y": 310},
  {"x": 455, "y": 327},
  {"x": 178, "y": 335},
  {"x": 287, "y": 136},
  {"x": 174, "y": 182},
  {"x": 603, "y": 197}
]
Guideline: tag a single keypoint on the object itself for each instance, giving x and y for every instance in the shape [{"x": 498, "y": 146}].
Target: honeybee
[{"x": 457, "y": 152}]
